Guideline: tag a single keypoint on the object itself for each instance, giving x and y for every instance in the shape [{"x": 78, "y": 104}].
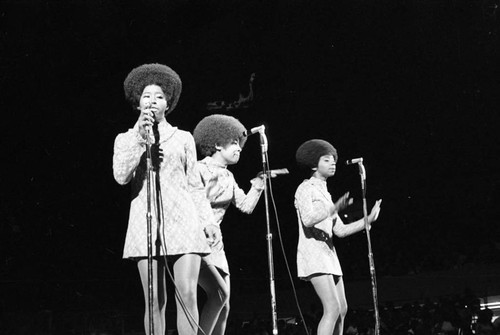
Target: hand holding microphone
[
  {"x": 274, "y": 173},
  {"x": 278, "y": 172},
  {"x": 146, "y": 120}
]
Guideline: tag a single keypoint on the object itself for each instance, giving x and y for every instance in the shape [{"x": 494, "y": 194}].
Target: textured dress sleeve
[
  {"x": 128, "y": 149},
  {"x": 196, "y": 187},
  {"x": 247, "y": 202},
  {"x": 311, "y": 210}
]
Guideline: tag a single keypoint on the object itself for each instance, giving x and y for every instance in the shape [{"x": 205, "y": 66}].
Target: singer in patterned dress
[
  {"x": 220, "y": 139},
  {"x": 318, "y": 221},
  {"x": 180, "y": 210}
]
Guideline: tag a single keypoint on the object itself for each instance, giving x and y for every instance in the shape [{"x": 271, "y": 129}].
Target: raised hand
[
  {"x": 375, "y": 211},
  {"x": 342, "y": 203}
]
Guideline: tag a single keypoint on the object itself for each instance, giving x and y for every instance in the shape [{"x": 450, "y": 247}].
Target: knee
[
  {"x": 159, "y": 300},
  {"x": 227, "y": 307},
  {"x": 225, "y": 310},
  {"x": 187, "y": 295},
  {"x": 343, "y": 309},
  {"x": 220, "y": 296},
  {"x": 336, "y": 310},
  {"x": 224, "y": 297},
  {"x": 158, "y": 305}
]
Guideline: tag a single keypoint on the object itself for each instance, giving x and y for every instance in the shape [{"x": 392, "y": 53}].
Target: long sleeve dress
[
  {"x": 315, "y": 250},
  {"x": 178, "y": 196},
  {"x": 222, "y": 190}
]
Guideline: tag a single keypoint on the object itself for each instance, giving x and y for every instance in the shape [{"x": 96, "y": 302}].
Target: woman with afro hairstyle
[
  {"x": 220, "y": 139},
  {"x": 318, "y": 221},
  {"x": 180, "y": 210}
]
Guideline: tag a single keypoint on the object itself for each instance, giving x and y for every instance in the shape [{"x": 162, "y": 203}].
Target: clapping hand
[
  {"x": 375, "y": 211},
  {"x": 342, "y": 203}
]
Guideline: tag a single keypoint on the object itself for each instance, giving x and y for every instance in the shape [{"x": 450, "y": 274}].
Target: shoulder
[
  {"x": 127, "y": 136},
  {"x": 183, "y": 136},
  {"x": 182, "y": 133},
  {"x": 202, "y": 167},
  {"x": 303, "y": 187},
  {"x": 231, "y": 175}
]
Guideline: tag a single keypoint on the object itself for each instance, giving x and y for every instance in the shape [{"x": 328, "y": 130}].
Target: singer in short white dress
[
  {"x": 220, "y": 140},
  {"x": 316, "y": 252},
  {"x": 222, "y": 190},
  {"x": 318, "y": 221},
  {"x": 185, "y": 208}
]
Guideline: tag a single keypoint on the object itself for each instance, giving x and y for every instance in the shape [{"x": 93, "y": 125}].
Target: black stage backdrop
[{"x": 411, "y": 86}]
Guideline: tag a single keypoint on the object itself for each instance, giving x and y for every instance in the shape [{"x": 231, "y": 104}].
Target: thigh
[
  {"x": 339, "y": 287},
  {"x": 186, "y": 271},
  {"x": 158, "y": 275},
  {"x": 325, "y": 288},
  {"x": 211, "y": 280}
]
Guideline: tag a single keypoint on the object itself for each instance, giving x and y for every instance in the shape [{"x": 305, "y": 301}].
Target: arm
[
  {"x": 311, "y": 210},
  {"x": 127, "y": 153},
  {"x": 342, "y": 230},
  {"x": 247, "y": 202}
]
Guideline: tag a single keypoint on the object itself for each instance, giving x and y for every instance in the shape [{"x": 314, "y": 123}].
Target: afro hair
[
  {"x": 153, "y": 74},
  {"x": 309, "y": 153},
  {"x": 218, "y": 129}
]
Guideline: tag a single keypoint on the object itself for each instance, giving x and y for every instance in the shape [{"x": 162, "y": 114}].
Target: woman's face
[
  {"x": 326, "y": 167},
  {"x": 230, "y": 153},
  {"x": 154, "y": 98}
]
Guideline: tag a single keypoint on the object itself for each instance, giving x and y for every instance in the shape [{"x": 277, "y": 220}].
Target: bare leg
[
  {"x": 186, "y": 271},
  {"x": 326, "y": 290},
  {"x": 159, "y": 294},
  {"x": 339, "y": 326},
  {"x": 220, "y": 327},
  {"x": 217, "y": 292}
]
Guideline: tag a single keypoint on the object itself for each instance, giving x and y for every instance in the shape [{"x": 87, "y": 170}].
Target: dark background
[{"x": 411, "y": 86}]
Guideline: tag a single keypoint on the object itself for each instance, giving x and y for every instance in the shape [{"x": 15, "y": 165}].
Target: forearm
[
  {"x": 343, "y": 230},
  {"x": 128, "y": 150},
  {"x": 247, "y": 202},
  {"x": 313, "y": 216}
]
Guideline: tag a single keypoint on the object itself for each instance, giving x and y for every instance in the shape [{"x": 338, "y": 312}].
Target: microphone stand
[
  {"x": 149, "y": 217},
  {"x": 362, "y": 174},
  {"x": 269, "y": 236}
]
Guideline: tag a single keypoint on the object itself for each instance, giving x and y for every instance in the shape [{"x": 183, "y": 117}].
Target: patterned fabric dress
[
  {"x": 315, "y": 251},
  {"x": 221, "y": 191},
  {"x": 181, "y": 205}
]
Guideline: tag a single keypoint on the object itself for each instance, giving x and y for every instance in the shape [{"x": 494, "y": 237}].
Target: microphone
[
  {"x": 256, "y": 130},
  {"x": 276, "y": 172},
  {"x": 279, "y": 171},
  {"x": 354, "y": 161},
  {"x": 148, "y": 129}
]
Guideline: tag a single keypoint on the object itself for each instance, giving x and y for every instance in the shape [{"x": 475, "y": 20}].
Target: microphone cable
[
  {"x": 280, "y": 237},
  {"x": 187, "y": 312}
]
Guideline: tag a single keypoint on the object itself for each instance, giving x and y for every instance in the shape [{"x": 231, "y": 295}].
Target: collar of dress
[
  {"x": 210, "y": 162},
  {"x": 165, "y": 129},
  {"x": 318, "y": 182}
]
